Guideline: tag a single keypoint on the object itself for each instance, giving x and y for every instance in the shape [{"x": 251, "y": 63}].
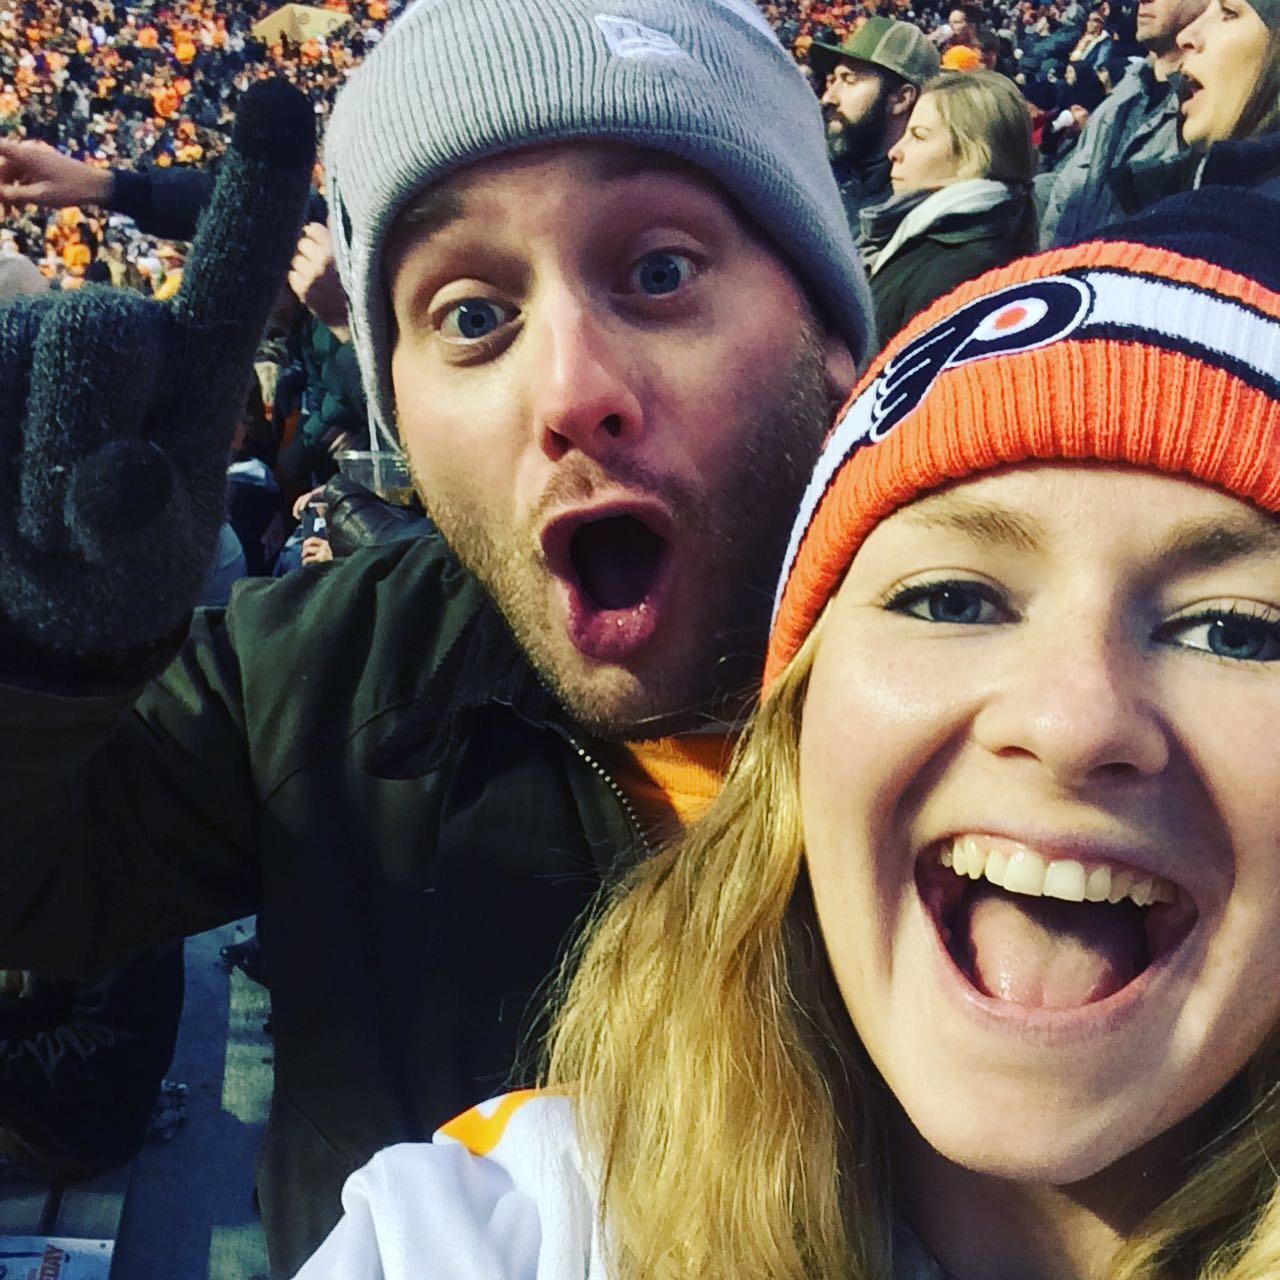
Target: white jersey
[{"x": 497, "y": 1194}]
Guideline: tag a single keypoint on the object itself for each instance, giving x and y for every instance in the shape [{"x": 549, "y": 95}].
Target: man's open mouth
[
  {"x": 614, "y": 562},
  {"x": 1048, "y": 932}
]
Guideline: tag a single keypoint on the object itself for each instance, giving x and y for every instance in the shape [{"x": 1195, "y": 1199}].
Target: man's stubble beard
[{"x": 742, "y": 528}]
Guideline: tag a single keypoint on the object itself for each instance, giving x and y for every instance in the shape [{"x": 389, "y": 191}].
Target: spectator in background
[
  {"x": 1230, "y": 107},
  {"x": 872, "y": 82},
  {"x": 1076, "y": 98},
  {"x": 962, "y": 201},
  {"x": 1137, "y": 124},
  {"x": 960, "y": 28},
  {"x": 1094, "y": 46}
]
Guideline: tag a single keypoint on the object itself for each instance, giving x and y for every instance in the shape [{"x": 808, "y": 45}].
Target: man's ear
[
  {"x": 839, "y": 367},
  {"x": 902, "y": 99}
]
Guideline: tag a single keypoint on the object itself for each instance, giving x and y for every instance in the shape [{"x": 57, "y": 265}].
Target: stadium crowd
[{"x": 155, "y": 169}]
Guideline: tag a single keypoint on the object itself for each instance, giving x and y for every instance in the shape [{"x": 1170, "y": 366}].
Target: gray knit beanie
[{"x": 455, "y": 81}]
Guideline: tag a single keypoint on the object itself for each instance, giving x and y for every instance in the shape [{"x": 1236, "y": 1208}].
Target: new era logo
[{"x": 630, "y": 39}]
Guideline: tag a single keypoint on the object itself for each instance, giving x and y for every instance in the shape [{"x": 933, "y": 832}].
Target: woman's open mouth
[
  {"x": 614, "y": 563},
  {"x": 1043, "y": 932},
  {"x": 1186, "y": 87}
]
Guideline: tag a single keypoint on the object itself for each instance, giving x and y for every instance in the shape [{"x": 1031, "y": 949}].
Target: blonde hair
[
  {"x": 989, "y": 124},
  {"x": 721, "y": 1093}
]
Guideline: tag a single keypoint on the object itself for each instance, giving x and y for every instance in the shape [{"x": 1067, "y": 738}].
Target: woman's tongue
[{"x": 1046, "y": 954}]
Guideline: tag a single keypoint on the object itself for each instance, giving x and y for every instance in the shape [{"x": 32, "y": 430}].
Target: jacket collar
[{"x": 484, "y": 666}]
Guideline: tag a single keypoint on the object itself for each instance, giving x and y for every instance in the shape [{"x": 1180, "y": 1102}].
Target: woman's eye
[
  {"x": 957, "y": 602},
  {"x": 473, "y": 319},
  {"x": 660, "y": 273},
  {"x": 1229, "y": 634}
]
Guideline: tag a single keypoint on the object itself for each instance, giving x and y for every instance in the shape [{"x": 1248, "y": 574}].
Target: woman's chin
[{"x": 1035, "y": 1149}]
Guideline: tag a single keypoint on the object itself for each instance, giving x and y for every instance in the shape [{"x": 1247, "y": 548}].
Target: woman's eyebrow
[
  {"x": 982, "y": 521},
  {"x": 1208, "y": 542}
]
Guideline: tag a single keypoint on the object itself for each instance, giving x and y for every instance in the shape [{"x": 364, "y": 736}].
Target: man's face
[
  {"x": 610, "y": 391},
  {"x": 1159, "y": 21},
  {"x": 958, "y": 23},
  {"x": 857, "y": 96}
]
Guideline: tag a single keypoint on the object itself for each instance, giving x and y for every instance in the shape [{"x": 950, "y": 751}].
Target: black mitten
[{"x": 116, "y": 412}]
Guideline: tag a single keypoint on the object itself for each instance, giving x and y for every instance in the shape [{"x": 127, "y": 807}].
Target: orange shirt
[
  {"x": 148, "y": 38},
  {"x": 185, "y": 50},
  {"x": 670, "y": 782}
]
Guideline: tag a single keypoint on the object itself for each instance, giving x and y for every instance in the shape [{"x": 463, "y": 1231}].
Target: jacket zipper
[{"x": 606, "y": 777}]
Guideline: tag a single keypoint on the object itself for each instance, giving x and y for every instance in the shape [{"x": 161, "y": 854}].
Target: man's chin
[{"x": 614, "y": 701}]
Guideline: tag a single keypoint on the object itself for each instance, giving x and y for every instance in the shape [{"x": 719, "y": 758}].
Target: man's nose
[
  {"x": 584, "y": 381},
  {"x": 1080, "y": 705}
]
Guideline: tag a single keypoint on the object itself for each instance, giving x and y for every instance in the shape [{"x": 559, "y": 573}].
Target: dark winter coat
[
  {"x": 413, "y": 814},
  {"x": 956, "y": 248},
  {"x": 1253, "y": 163}
]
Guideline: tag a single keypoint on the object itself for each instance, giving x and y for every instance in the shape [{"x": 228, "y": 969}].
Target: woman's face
[
  {"x": 1224, "y": 55},
  {"x": 924, "y": 157},
  {"x": 1038, "y": 784}
]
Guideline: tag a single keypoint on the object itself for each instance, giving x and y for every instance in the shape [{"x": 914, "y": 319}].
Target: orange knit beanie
[{"x": 1158, "y": 346}]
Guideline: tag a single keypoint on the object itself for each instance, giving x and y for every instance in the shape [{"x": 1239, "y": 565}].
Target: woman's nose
[{"x": 1078, "y": 705}]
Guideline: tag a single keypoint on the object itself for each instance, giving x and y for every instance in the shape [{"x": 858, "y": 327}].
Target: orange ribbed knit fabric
[{"x": 1159, "y": 361}]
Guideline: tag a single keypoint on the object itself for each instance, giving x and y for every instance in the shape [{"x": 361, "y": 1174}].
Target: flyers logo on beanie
[{"x": 1018, "y": 318}]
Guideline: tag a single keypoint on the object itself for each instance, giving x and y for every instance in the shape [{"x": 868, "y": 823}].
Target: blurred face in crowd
[
  {"x": 864, "y": 102},
  {"x": 610, "y": 390},
  {"x": 1224, "y": 54},
  {"x": 925, "y": 156},
  {"x": 1159, "y": 22},
  {"x": 1037, "y": 756},
  {"x": 960, "y": 26}
]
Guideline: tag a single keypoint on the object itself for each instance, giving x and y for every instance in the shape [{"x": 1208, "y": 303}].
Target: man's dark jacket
[{"x": 360, "y": 752}]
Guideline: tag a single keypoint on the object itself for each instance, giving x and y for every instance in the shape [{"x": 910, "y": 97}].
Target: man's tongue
[{"x": 1048, "y": 954}]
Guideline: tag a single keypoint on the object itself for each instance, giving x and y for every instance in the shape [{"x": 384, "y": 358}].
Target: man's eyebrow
[
  {"x": 432, "y": 212},
  {"x": 1207, "y": 542},
  {"x": 983, "y": 521},
  {"x": 632, "y": 163}
]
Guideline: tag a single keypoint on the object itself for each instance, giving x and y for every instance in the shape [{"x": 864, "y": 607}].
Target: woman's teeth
[{"x": 1022, "y": 870}]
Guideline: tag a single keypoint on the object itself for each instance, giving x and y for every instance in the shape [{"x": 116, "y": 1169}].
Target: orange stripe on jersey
[{"x": 480, "y": 1133}]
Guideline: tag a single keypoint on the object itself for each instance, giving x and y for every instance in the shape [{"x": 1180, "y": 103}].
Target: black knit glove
[{"x": 116, "y": 412}]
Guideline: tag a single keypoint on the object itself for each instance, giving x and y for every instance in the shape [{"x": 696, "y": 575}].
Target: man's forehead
[{"x": 598, "y": 163}]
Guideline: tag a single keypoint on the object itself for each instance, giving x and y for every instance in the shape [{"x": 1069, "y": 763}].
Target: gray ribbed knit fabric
[{"x": 454, "y": 81}]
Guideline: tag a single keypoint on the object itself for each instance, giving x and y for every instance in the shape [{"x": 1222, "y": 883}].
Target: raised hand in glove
[{"x": 116, "y": 412}]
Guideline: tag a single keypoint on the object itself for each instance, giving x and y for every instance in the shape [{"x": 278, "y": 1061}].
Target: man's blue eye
[
  {"x": 661, "y": 273},
  {"x": 473, "y": 319}
]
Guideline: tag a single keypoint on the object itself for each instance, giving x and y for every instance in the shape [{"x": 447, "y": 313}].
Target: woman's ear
[{"x": 902, "y": 99}]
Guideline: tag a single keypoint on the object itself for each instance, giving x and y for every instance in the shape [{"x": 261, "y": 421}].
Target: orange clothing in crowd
[
  {"x": 164, "y": 102},
  {"x": 148, "y": 38},
  {"x": 76, "y": 257},
  {"x": 185, "y": 51}
]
